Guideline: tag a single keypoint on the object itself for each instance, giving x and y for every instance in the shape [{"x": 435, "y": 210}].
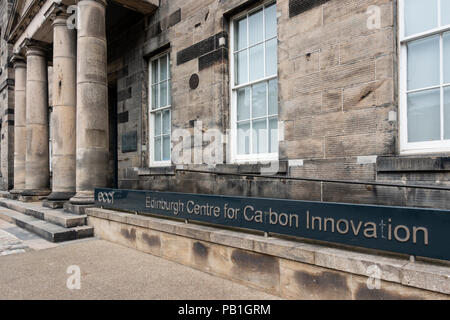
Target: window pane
[
  {"x": 447, "y": 113},
  {"x": 447, "y": 57},
  {"x": 259, "y": 98},
  {"x": 273, "y": 97},
  {"x": 163, "y": 68},
  {"x": 255, "y": 26},
  {"x": 155, "y": 71},
  {"x": 166, "y": 148},
  {"x": 445, "y": 12},
  {"x": 423, "y": 63},
  {"x": 420, "y": 16},
  {"x": 168, "y": 66},
  {"x": 243, "y": 138},
  {"x": 155, "y": 97},
  {"x": 157, "y": 124},
  {"x": 163, "y": 94},
  {"x": 169, "y": 93},
  {"x": 158, "y": 149},
  {"x": 166, "y": 122},
  {"x": 241, "y": 68},
  {"x": 240, "y": 35},
  {"x": 243, "y": 104},
  {"x": 271, "y": 21},
  {"x": 424, "y": 116},
  {"x": 273, "y": 135},
  {"x": 271, "y": 57},
  {"x": 260, "y": 136},
  {"x": 256, "y": 62}
]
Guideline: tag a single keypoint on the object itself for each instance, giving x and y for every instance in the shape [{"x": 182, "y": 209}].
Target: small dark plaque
[
  {"x": 122, "y": 117},
  {"x": 129, "y": 142},
  {"x": 194, "y": 81}
]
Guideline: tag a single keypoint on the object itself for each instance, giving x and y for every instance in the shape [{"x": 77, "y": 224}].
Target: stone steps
[
  {"x": 45, "y": 229},
  {"x": 54, "y": 225},
  {"x": 36, "y": 210}
]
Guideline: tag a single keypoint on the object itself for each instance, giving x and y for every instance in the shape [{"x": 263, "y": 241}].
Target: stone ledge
[
  {"x": 250, "y": 168},
  {"x": 413, "y": 164},
  {"x": 422, "y": 275}
]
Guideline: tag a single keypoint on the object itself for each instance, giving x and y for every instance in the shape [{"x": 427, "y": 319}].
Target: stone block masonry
[{"x": 336, "y": 81}]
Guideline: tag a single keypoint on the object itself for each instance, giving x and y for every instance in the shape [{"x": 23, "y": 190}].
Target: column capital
[
  {"x": 18, "y": 61},
  {"x": 35, "y": 48}
]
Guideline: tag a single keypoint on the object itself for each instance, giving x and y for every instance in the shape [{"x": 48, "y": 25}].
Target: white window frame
[
  {"x": 406, "y": 147},
  {"x": 151, "y": 112},
  {"x": 247, "y": 158}
]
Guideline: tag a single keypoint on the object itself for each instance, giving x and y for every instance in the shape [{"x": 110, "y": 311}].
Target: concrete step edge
[
  {"x": 44, "y": 229},
  {"x": 55, "y": 216}
]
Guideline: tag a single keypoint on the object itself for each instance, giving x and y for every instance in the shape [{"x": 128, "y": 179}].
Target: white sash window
[
  {"x": 254, "y": 85},
  {"x": 160, "y": 111}
]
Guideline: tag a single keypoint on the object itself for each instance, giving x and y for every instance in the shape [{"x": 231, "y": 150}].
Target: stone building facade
[
  {"x": 338, "y": 102},
  {"x": 337, "y": 98}
]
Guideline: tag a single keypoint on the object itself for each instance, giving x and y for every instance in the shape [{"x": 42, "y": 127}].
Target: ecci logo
[{"x": 106, "y": 197}]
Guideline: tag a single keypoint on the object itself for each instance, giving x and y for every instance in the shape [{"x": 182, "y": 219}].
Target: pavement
[{"x": 92, "y": 269}]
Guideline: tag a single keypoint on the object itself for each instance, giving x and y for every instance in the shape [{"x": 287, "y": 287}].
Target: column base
[
  {"x": 15, "y": 193},
  {"x": 60, "y": 196},
  {"x": 33, "y": 195},
  {"x": 56, "y": 200},
  {"x": 83, "y": 198},
  {"x": 35, "y": 192}
]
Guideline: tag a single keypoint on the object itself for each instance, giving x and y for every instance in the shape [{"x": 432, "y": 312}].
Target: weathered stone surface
[
  {"x": 389, "y": 291},
  {"x": 19, "y": 126},
  {"x": 92, "y": 140},
  {"x": 63, "y": 122},
  {"x": 53, "y": 204},
  {"x": 37, "y": 179},
  {"x": 301, "y": 281},
  {"x": 292, "y": 269}
]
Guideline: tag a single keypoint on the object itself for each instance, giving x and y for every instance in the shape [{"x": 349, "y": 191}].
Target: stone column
[
  {"x": 20, "y": 74},
  {"x": 63, "y": 118},
  {"x": 92, "y": 102},
  {"x": 37, "y": 178}
]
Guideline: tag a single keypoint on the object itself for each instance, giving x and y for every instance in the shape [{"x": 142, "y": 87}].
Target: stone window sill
[
  {"x": 250, "y": 168},
  {"x": 221, "y": 168}
]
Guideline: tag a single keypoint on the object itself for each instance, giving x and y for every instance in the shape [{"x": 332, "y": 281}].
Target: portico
[{"x": 70, "y": 36}]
